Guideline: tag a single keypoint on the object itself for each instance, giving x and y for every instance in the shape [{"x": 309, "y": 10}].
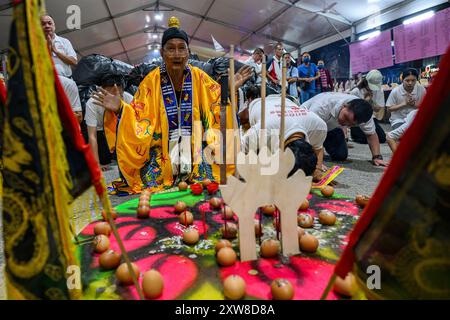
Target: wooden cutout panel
[{"x": 266, "y": 189}]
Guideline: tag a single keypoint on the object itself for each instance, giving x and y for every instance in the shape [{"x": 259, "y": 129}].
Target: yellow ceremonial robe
[{"x": 141, "y": 135}]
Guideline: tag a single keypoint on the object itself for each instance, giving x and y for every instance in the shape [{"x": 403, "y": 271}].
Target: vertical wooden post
[
  {"x": 223, "y": 127},
  {"x": 263, "y": 102},
  {"x": 236, "y": 137},
  {"x": 283, "y": 105}
]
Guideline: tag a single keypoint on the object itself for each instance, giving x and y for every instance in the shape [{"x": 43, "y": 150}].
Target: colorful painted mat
[{"x": 191, "y": 272}]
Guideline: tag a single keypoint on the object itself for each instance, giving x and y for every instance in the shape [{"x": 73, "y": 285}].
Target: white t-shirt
[
  {"x": 94, "y": 113},
  {"x": 297, "y": 120},
  {"x": 398, "y": 133},
  {"x": 328, "y": 105},
  {"x": 398, "y": 96},
  {"x": 257, "y": 67},
  {"x": 378, "y": 95},
  {"x": 64, "y": 46}
]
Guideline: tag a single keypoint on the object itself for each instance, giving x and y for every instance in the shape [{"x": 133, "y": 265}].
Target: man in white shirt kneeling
[
  {"x": 304, "y": 133},
  {"x": 94, "y": 119}
]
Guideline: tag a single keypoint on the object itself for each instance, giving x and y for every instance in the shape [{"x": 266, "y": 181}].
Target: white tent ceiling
[{"x": 123, "y": 29}]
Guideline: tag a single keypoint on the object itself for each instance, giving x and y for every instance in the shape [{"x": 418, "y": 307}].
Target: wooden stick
[
  {"x": 260, "y": 224},
  {"x": 107, "y": 207},
  {"x": 329, "y": 287},
  {"x": 283, "y": 104},
  {"x": 236, "y": 138},
  {"x": 223, "y": 127},
  {"x": 263, "y": 100}
]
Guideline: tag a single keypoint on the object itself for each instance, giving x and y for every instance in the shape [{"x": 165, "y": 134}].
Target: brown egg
[
  {"x": 229, "y": 214},
  {"x": 109, "y": 260},
  {"x": 269, "y": 210},
  {"x": 215, "y": 203},
  {"x": 186, "y": 218},
  {"x": 258, "y": 229},
  {"x": 326, "y": 217},
  {"x": 182, "y": 186},
  {"x": 144, "y": 196},
  {"x": 180, "y": 206},
  {"x": 144, "y": 202},
  {"x": 362, "y": 200},
  {"x": 282, "y": 289},
  {"x": 304, "y": 206},
  {"x": 206, "y": 182},
  {"x": 327, "y": 191},
  {"x": 222, "y": 243},
  {"x": 305, "y": 220},
  {"x": 230, "y": 232},
  {"x": 102, "y": 228},
  {"x": 143, "y": 212},
  {"x": 113, "y": 215},
  {"x": 234, "y": 287},
  {"x": 301, "y": 232},
  {"x": 226, "y": 257},
  {"x": 309, "y": 243},
  {"x": 123, "y": 275},
  {"x": 191, "y": 236},
  {"x": 152, "y": 284},
  {"x": 270, "y": 248},
  {"x": 101, "y": 243},
  {"x": 346, "y": 287}
]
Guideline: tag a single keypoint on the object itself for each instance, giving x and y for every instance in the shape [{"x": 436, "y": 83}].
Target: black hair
[
  {"x": 306, "y": 52},
  {"x": 364, "y": 84},
  {"x": 252, "y": 92},
  {"x": 410, "y": 72},
  {"x": 110, "y": 80},
  {"x": 258, "y": 50},
  {"x": 361, "y": 109},
  {"x": 305, "y": 157}
]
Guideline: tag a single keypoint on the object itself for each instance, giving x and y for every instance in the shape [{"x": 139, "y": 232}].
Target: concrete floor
[{"x": 359, "y": 177}]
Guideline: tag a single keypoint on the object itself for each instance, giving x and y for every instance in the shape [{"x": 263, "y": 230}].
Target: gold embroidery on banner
[
  {"x": 440, "y": 168},
  {"x": 53, "y": 272},
  {"x": 40, "y": 254},
  {"x": 12, "y": 56},
  {"x": 31, "y": 175},
  {"x": 15, "y": 215},
  {"x": 23, "y": 126},
  {"x": 14, "y": 153},
  {"x": 55, "y": 294}
]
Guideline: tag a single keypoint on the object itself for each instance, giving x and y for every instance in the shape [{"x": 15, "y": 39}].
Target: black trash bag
[
  {"x": 132, "y": 89},
  {"x": 205, "y": 66},
  {"x": 85, "y": 93},
  {"x": 138, "y": 73},
  {"x": 91, "y": 69},
  {"x": 220, "y": 66}
]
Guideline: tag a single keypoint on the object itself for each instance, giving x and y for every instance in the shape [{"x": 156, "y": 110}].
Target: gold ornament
[{"x": 174, "y": 22}]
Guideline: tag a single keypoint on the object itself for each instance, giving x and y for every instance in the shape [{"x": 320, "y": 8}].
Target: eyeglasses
[{"x": 172, "y": 51}]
